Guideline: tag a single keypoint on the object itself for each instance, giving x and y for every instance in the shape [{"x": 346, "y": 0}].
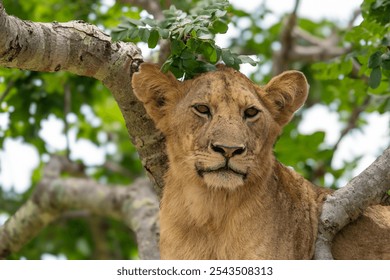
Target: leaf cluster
[
  {"x": 373, "y": 38},
  {"x": 369, "y": 45},
  {"x": 191, "y": 35}
]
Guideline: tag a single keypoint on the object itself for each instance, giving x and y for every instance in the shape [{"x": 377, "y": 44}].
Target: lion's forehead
[{"x": 224, "y": 87}]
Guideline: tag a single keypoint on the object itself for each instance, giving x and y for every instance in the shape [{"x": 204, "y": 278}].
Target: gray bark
[
  {"x": 82, "y": 49},
  {"x": 347, "y": 204}
]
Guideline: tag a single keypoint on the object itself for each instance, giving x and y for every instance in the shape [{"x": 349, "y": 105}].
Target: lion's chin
[{"x": 223, "y": 179}]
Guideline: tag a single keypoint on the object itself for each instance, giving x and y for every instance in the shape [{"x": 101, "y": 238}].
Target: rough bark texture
[
  {"x": 347, "y": 204},
  {"x": 83, "y": 49},
  {"x": 135, "y": 205}
]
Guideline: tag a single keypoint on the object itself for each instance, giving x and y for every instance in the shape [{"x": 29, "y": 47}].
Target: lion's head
[{"x": 219, "y": 127}]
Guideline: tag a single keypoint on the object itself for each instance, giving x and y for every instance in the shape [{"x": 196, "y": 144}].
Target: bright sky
[
  {"x": 339, "y": 10},
  {"x": 17, "y": 160}
]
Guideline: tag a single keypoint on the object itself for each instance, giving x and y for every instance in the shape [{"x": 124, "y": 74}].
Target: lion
[{"x": 225, "y": 194}]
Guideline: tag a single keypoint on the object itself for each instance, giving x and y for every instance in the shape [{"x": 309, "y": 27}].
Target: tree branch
[
  {"x": 282, "y": 57},
  {"x": 136, "y": 205},
  {"x": 347, "y": 204},
  {"x": 75, "y": 46},
  {"x": 353, "y": 120},
  {"x": 83, "y": 49},
  {"x": 314, "y": 49}
]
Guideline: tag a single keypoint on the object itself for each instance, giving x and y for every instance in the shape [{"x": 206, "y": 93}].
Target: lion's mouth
[{"x": 224, "y": 169}]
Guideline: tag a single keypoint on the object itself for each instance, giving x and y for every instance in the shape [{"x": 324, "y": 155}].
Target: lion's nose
[{"x": 228, "y": 151}]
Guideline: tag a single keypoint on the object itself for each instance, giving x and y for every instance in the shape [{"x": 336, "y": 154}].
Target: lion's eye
[
  {"x": 202, "y": 109},
  {"x": 251, "y": 112}
]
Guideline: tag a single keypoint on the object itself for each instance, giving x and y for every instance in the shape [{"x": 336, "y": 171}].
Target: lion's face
[{"x": 220, "y": 127}]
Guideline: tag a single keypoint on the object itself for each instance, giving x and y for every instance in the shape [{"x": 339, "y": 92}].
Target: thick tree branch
[
  {"x": 136, "y": 205},
  {"x": 347, "y": 204},
  {"x": 83, "y": 49},
  {"x": 76, "y": 47}
]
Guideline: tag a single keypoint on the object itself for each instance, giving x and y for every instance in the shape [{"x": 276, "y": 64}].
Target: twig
[
  {"x": 355, "y": 15},
  {"x": 282, "y": 58},
  {"x": 296, "y": 6},
  {"x": 352, "y": 121}
]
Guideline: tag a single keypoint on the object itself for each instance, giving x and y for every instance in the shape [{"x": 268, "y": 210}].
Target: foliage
[
  {"x": 373, "y": 36},
  {"x": 193, "y": 49}
]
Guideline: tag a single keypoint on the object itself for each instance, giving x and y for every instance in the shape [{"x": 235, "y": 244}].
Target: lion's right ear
[{"x": 157, "y": 91}]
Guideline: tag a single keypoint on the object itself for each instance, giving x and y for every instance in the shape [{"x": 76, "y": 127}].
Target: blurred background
[{"x": 343, "y": 127}]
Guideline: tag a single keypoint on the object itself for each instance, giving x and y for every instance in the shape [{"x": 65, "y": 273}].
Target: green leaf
[
  {"x": 187, "y": 55},
  {"x": 134, "y": 22},
  {"x": 204, "y": 35},
  {"x": 227, "y": 57},
  {"x": 386, "y": 64},
  {"x": 132, "y": 34},
  {"x": 386, "y": 61},
  {"x": 144, "y": 34},
  {"x": 119, "y": 34},
  {"x": 151, "y": 22},
  {"x": 193, "y": 44},
  {"x": 167, "y": 64},
  {"x": 220, "y": 13},
  {"x": 247, "y": 59},
  {"x": 205, "y": 67},
  {"x": 177, "y": 47},
  {"x": 220, "y": 27},
  {"x": 375, "y": 59},
  {"x": 190, "y": 64},
  {"x": 375, "y": 77},
  {"x": 187, "y": 29},
  {"x": 164, "y": 33},
  {"x": 209, "y": 51},
  {"x": 153, "y": 39}
]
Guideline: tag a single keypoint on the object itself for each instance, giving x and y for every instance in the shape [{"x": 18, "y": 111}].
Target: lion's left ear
[
  {"x": 157, "y": 91},
  {"x": 285, "y": 94}
]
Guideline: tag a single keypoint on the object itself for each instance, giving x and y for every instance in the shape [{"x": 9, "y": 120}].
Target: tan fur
[{"x": 225, "y": 195}]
